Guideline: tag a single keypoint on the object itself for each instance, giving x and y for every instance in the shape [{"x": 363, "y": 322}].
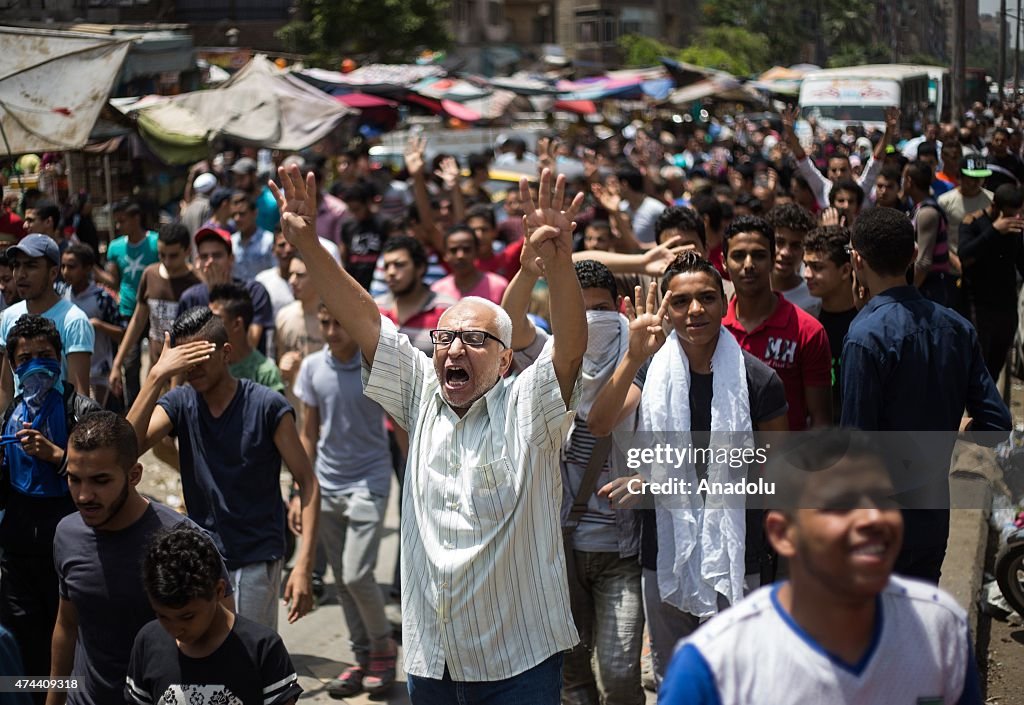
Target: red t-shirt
[
  {"x": 505, "y": 263},
  {"x": 11, "y": 226},
  {"x": 795, "y": 345}
]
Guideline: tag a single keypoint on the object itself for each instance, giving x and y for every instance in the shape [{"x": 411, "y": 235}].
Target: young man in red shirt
[{"x": 773, "y": 330}]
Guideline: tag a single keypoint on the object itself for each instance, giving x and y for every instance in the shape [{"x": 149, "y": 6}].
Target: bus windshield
[{"x": 846, "y": 113}]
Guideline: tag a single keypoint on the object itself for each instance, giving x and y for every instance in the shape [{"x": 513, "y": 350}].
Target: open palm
[
  {"x": 548, "y": 210},
  {"x": 296, "y": 201},
  {"x": 646, "y": 334}
]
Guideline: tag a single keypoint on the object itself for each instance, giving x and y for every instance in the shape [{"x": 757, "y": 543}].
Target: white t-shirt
[
  {"x": 956, "y": 207},
  {"x": 756, "y": 653}
]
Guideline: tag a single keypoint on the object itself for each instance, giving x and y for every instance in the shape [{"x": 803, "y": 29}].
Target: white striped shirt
[{"x": 484, "y": 587}]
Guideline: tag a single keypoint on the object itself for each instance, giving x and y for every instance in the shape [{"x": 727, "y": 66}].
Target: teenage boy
[
  {"x": 775, "y": 331},
  {"x": 843, "y": 628},
  {"x": 232, "y": 489},
  {"x": 231, "y": 303},
  {"x": 35, "y": 262},
  {"x": 160, "y": 289},
  {"x": 932, "y": 272},
  {"x": 216, "y": 261},
  {"x": 33, "y": 486},
  {"x": 344, "y": 436},
  {"x": 127, "y": 258},
  {"x": 8, "y": 288},
  {"x": 461, "y": 249},
  {"x": 791, "y": 224},
  {"x": 197, "y": 650},
  {"x": 97, "y": 552},
  {"x": 912, "y": 365},
  {"x": 699, "y": 381},
  {"x": 829, "y": 276},
  {"x": 76, "y": 267}
]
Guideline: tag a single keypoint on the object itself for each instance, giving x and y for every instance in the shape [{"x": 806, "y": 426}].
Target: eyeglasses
[
  {"x": 472, "y": 338},
  {"x": 848, "y": 249}
]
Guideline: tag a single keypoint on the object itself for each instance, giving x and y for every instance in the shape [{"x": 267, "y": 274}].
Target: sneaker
[
  {"x": 380, "y": 675},
  {"x": 319, "y": 590},
  {"x": 349, "y": 682}
]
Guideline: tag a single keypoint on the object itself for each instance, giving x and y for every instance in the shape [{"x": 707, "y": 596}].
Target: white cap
[{"x": 204, "y": 183}]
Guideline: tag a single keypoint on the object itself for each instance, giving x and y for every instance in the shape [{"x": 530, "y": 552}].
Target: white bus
[{"x": 860, "y": 94}]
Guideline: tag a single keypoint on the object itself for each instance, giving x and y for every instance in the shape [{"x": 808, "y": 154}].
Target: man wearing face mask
[
  {"x": 601, "y": 542},
  {"x": 34, "y": 486}
]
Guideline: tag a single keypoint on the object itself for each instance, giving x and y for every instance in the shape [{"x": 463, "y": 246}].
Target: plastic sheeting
[
  {"x": 53, "y": 86},
  {"x": 260, "y": 105}
]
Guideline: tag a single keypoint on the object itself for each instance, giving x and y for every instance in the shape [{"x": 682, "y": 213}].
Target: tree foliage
[
  {"x": 728, "y": 48},
  {"x": 377, "y": 30}
]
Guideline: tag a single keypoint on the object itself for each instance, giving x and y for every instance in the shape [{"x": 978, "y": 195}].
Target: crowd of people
[{"x": 495, "y": 356}]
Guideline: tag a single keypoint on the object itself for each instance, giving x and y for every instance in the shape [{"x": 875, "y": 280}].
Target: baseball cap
[
  {"x": 245, "y": 165},
  {"x": 36, "y": 245},
  {"x": 219, "y": 196},
  {"x": 205, "y": 183},
  {"x": 975, "y": 167},
  {"x": 207, "y": 233}
]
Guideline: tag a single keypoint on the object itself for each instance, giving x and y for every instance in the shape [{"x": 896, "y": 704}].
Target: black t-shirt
[
  {"x": 251, "y": 667},
  {"x": 231, "y": 468},
  {"x": 364, "y": 241},
  {"x": 100, "y": 573},
  {"x": 1010, "y": 171},
  {"x": 767, "y": 401},
  {"x": 836, "y": 325}
]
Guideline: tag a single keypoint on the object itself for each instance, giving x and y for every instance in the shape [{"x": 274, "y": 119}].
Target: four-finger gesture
[
  {"x": 646, "y": 334},
  {"x": 550, "y": 210},
  {"x": 296, "y": 201},
  {"x": 547, "y": 153}
]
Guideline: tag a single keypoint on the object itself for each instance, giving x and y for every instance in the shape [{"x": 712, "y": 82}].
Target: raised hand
[
  {"x": 297, "y": 205},
  {"x": 415, "y": 148},
  {"x": 773, "y": 180},
  {"x": 831, "y": 216},
  {"x": 547, "y": 153},
  {"x": 892, "y": 120},
  {"x": 448, "y": 172},
  {"x": 607, "y": 195},
  {"x": 789, "y": 116},
  {"x": 646, "y": 334},
  {"x": 550, "y": 210},
  {"x": 181, "y": 358},
  {"x": 658, "y": 258}
]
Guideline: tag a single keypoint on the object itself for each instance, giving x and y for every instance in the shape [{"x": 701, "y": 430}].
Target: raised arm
[
  {"x": 415, "y": 164},
  {"x": 344, "y": 297},
  {"x": 549, "y": 229},
  {"x": 620, "y": 397},
  {"x": 652, "y": 262},
  {"x": 516, "y": 299}
]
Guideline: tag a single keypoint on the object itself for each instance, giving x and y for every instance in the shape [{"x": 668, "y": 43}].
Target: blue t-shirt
[
  {"x": 231, "y": 468},
  {"x": 76, "y": 332},
  {"x": 267, "y": 215},
  {"x": 131, "y": 260},
  {"x": 353, "y": 451}
]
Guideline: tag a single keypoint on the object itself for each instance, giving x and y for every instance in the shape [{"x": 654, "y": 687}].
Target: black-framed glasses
[{"x": 472, "y": 338}]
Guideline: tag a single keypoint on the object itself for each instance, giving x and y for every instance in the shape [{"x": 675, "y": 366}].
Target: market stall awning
[
  {"x": 53, "y": 86},
  {"x": 260, "y": 105}
]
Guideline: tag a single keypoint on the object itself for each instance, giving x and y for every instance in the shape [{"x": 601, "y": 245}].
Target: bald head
[{"x": 496, "y": 319}]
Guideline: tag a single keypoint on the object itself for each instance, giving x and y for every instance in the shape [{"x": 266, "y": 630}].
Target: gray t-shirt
[
  {"x": 100, "y": 573},
  {"x": 353, "y": 451},
  {"x": 644, "y": 217}
]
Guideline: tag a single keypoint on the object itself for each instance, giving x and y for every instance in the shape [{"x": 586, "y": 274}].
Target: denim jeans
[
  {"x": 607, "y": 606},
  {"x": 540, "y": 685}
]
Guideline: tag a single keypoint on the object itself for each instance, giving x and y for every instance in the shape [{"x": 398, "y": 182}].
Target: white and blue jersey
[{"x": 920, "y": 654}]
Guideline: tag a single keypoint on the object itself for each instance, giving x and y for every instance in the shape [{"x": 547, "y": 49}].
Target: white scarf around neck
[{"x": 700, "y": 541}]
